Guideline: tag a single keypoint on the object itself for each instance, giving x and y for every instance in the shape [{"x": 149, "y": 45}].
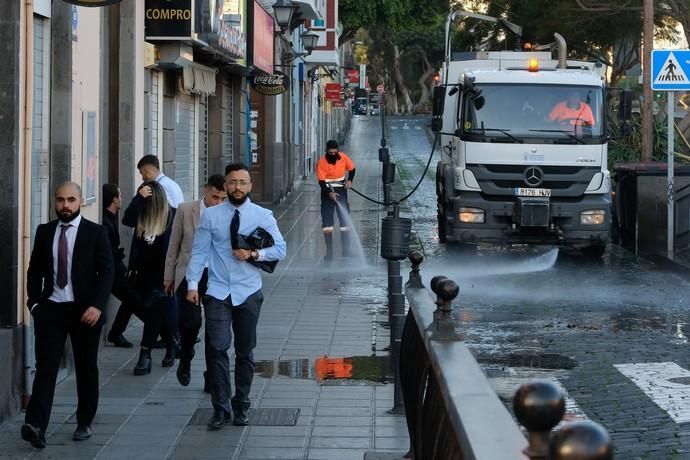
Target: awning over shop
[
  {"x": 306, "y": 9},
  {"x": 199, "y": 79},
  {"x": 324, "y": 58}
]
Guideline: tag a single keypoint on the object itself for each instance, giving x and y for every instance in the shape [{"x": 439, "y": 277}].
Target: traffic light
[{"x": 437, "y": 79}]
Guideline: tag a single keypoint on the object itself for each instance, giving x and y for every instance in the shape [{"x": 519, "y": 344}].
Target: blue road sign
[{"x": 670, "y": 70}]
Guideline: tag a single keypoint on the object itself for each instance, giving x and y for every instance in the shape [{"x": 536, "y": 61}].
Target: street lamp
[
  {"x": 283, "y": 11},
  {"x": 315, "y": 75},
  {"x": 309, "y": 41}
]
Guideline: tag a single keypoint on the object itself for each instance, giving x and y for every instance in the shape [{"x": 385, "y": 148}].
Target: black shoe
[
  {"x": 119, "y": 341},
  {"x": 220, "y": 418},
  {"x": 240, "y": 417},
  {"x": 239, "y": 412},
  {"x": 143, "y": 366},
  {"x": 33, "y": 435},
  {"x": 82, "y": 433},
  {"x": 184, "y": 372},
  {"x": 172, "y": 352},
  {"x": 207, "y": 386}
]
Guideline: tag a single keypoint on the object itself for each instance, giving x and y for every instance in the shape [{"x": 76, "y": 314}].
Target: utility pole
[{"x": 647, "y": 103}]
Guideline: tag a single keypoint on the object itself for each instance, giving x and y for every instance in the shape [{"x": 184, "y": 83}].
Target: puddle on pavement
[
  {"x": 638, "y": 320},
  {"x": 327, "y": 368},
  {"x": 528, "y": 360}
]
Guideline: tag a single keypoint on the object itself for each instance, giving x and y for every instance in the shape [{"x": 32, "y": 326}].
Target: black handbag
[{"x": 258, "y": 239}]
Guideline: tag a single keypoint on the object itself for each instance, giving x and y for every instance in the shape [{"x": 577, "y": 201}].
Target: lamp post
[
  {"x": 309, "y": 40},
  {"x": 283, "y": 11}
]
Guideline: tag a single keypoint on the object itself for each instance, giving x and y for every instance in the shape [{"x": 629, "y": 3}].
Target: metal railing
[{"x": 452, "y": 411}]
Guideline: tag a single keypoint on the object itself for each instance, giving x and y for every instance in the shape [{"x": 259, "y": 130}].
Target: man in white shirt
[{"x": 150, "y": 169}]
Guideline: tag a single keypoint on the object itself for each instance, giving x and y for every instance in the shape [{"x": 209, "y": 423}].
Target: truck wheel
[
  {"x": 442, "y": 228},
  {"x": 594, "y": 252}
]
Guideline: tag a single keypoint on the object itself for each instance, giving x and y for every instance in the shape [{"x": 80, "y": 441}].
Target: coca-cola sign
[{"x": 270, "y": 84}]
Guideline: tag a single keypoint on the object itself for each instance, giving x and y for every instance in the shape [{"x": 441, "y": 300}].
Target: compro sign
[{"x": 671, "y": 70}]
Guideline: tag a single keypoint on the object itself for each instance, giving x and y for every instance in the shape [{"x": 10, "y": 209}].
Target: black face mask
[{"x": 332, "y": 159}]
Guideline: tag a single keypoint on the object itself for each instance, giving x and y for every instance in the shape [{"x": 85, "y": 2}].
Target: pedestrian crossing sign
[{"x": 671, "y": 70}]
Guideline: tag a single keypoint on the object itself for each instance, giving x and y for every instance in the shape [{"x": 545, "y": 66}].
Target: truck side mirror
[
  {"x": 478, "y": 102},
  {"x": 437, "y": 108},
  {"x": 625, "y": 105}
]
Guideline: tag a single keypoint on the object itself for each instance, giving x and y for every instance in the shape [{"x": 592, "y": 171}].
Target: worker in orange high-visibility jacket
[
  {"x": 572, "y": 111},
  {"x": 335, "y": 172}
]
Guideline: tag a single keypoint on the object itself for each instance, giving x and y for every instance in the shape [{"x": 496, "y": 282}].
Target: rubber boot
[
  {"x": 329, "y": 246},
  {"x": 143, "y": 366},
  {"x": 345, "y": 243}
]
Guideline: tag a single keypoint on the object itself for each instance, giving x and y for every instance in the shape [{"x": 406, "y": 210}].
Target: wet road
[{"x": 613, "y": 333}]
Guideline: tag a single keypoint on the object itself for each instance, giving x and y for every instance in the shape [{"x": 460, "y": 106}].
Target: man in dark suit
[{"x": 68, "y": 282}]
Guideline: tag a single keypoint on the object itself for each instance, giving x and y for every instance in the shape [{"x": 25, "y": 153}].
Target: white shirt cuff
[{"x": 192, "y": 285}]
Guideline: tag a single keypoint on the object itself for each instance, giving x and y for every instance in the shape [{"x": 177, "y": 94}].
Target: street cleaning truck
[{"x": 523, "y": 140}]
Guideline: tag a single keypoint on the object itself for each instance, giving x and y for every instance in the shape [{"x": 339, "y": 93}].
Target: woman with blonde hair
[{"x": 151, "y": 216}]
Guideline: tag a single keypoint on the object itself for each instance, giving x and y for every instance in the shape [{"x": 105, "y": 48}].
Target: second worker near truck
[{"x": 335, "y": 172}]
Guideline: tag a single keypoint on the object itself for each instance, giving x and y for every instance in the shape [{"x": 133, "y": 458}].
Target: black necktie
[
  {"x": 62, "y": 257},
  {"x": 234, "y": 228}
]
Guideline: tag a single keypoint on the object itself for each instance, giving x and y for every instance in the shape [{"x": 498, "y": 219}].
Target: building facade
[{"x": 86, "y": 92}]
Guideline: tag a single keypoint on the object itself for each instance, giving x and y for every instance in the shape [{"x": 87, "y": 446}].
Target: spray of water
[
  {"x": 481, "y": 267},
  {"x": 357, "y": 260}
]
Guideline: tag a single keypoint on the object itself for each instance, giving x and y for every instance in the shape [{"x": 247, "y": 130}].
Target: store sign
[
  {"x": 92, "y": 2},
  {"x": 333, "y": 91},
  {"x": 353, "y": 76},
  {"x": 262, "y": 38},
  {"x": 270, "y": 84},
  {"x": 224, "y": 36},
  {"x": 168, "y": 19}
]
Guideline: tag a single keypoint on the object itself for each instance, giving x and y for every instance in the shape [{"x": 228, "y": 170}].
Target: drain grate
[
  {"x": 384, "y": 455},
  {"x": 257, "y": 417}
]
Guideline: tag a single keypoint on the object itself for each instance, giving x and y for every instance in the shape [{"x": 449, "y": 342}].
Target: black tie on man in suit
[
  {"x": 68, "y": 282},
  {"x": 234, "y": 229}
]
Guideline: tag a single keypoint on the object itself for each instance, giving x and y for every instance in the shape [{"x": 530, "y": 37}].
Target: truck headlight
[
  {"x": 471, "y": 215},
  {"x": 594, "y": 217}
]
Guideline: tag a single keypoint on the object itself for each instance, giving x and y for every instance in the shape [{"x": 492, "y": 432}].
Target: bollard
[
  {"x": 388, "y": 173},
  {"x": 395, "y": 244},
  {"x": 415, "y": 279},
  {"x": 539, "y": 406},
  {"x": 581, "y": 440},
  {"x": 443, "y": 327},
  {"x": 384, "y": 155}
]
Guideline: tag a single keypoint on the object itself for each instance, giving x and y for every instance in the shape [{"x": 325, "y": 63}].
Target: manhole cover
[{"x": 257, "y": 417}]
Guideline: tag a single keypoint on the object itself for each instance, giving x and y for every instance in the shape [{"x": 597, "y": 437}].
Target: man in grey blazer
[{"x": 176, "y": 261}]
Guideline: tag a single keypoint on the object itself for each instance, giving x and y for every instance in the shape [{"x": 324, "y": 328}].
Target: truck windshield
[{"x": 534, "y": 114}]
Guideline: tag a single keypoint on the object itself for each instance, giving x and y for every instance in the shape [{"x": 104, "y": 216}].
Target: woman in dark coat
[{"x": 152, "y": 217}]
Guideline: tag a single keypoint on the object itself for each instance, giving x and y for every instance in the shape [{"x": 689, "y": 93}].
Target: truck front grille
[{"x": 564, "y": 181}]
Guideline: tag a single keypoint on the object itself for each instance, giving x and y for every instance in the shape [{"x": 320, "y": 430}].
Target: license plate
[{"x": 541, "y": 192}]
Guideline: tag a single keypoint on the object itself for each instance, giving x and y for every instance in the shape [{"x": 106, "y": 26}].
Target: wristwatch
[{"x": 254, "y": 254}]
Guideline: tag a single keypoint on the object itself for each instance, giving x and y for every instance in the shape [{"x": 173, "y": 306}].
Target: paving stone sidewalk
[{"x": 307, "y": 402}]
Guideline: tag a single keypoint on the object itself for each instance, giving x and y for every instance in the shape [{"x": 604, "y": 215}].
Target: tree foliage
[{"x": 406, "y": 37}]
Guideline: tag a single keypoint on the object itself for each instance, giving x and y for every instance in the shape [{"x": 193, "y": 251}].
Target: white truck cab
[{"x": 523, "y": 141}]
